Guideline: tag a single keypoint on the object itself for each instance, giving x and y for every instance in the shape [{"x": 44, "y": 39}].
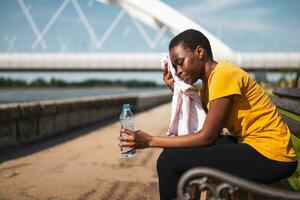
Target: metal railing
[{"x": 221, "y": 185}]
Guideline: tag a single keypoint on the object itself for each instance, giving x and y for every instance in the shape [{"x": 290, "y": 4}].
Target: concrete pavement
[{"x": 85, "y": 167}]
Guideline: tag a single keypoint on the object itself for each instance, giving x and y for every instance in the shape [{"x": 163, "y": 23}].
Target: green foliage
[
  {"x": 39, "y": 82},
  {"x": 8, "y": 82},
  {"x": 57, "y": 83}
]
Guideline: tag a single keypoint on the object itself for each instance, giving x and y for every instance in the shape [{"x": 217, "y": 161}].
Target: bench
[{"x": 200, "y": 182}]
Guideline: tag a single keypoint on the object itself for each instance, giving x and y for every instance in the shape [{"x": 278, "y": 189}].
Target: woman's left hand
[{"x": 134, "y": 140}]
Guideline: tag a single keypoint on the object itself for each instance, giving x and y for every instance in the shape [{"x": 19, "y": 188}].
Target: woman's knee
[{"x": 164, "y": 162}]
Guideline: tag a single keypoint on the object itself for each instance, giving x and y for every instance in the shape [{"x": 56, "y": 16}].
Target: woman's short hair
[{"x": 191, "y": 38}]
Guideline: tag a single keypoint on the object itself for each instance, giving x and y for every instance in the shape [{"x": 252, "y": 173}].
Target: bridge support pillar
[
  {"x": 297, "y": 85},
  {"x": 260, "y": 76}
]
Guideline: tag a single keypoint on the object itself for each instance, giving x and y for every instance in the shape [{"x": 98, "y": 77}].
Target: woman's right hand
[
  {"x": 134, "y": 140},
  {"x": 168, "y": 78}
]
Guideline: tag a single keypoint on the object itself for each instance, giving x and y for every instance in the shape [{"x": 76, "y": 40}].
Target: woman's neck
[{"x": 209, "y": 66}]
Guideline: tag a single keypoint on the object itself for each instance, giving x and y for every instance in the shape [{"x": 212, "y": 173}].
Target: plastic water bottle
[{"x": 127, "y": 121}]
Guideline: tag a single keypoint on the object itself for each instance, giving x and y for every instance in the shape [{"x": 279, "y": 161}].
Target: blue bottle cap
[{"x": 126, "y": 106}]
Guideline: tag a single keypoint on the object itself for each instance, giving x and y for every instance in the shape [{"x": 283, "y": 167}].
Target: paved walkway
[{"x": 85, "y": 167}]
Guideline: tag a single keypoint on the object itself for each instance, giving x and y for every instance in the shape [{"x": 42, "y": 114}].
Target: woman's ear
[{"x": 200, "y": 51}]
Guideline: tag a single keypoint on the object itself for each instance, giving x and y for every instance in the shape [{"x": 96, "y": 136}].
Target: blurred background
[{"x": 64, "y": 46}]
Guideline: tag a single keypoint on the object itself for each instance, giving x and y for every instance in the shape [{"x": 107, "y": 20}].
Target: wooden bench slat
[
  {"x": 290, "y": 105},
  {"x": 293, "y": 125},
  {"x": 287, "y": 92}
]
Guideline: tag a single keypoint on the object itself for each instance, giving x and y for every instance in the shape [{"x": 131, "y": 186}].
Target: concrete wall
[{"x": 27, "y": 122}]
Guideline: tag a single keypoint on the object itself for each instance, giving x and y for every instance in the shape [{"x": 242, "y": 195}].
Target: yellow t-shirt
[{"x": 253, "y": 119}]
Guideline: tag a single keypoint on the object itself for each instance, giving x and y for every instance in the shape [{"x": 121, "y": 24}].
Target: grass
[
  {"x": 289, "y": 114},
  {"x": 294, "y": 180}
]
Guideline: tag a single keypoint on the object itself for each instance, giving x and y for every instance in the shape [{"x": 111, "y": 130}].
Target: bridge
[
  {"x": 155, "y": 14},
  {"x": 133, "y": 61}
]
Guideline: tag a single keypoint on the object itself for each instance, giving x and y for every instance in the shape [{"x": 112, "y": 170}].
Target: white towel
[{"x": 187, "y": 115}]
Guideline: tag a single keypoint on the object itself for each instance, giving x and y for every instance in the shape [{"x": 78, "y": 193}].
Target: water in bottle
[{"x": 127, "y": 121}]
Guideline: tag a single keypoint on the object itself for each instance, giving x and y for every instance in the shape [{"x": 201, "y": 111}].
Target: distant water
[
  {"x": 38, "y": 94},
  {"x": 26, "y": 95}
]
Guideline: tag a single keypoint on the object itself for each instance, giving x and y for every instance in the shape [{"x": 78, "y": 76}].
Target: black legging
[{"x": 226, "y": 155}]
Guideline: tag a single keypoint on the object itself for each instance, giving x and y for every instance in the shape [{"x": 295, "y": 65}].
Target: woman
[{"x": 261, "y": 149}]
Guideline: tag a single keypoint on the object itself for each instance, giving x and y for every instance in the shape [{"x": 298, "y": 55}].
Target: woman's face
[{"x": 186, "y": 63}]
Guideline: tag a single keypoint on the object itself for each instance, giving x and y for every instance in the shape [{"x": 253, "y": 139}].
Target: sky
[{"x": 244, "y": 25}]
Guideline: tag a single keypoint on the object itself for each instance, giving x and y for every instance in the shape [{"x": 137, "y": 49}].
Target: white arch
[
  {"x": 154, "y": 13},
  {"x": 157, "y": 15}
]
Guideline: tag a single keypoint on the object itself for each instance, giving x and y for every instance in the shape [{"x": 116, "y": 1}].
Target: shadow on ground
[{"x": 13, "y": 152}]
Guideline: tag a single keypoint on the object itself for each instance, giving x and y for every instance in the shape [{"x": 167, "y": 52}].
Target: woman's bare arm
[{"x": 213, "y": 124}]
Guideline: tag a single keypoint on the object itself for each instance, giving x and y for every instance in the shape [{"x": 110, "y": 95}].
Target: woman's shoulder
[
  {"x": 227, "y": 70},
  {"x": 226, "y": 66}
]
